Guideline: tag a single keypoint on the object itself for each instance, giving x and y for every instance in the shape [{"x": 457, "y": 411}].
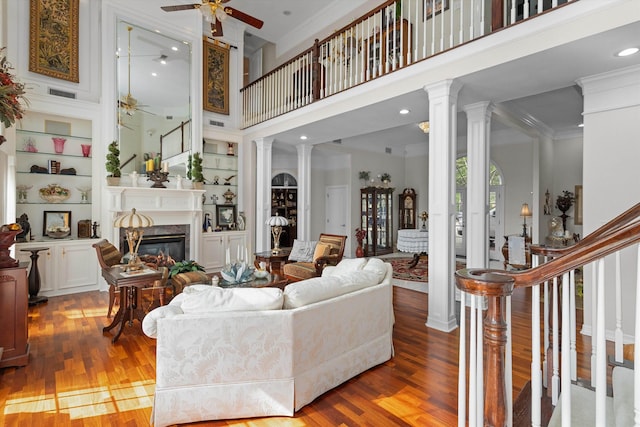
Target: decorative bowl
[
  {"x": 261, "y": 274},
  {"x": 53, "y": 193},
  {"x": 58, "y": 232}
]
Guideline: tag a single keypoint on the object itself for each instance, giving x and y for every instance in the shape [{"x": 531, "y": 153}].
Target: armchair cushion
[
  {"x": 335, "y": 244},
  {"x": 302, "y": 251}
]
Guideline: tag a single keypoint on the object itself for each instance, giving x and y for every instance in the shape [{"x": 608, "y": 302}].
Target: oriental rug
[{"x": 419, "y": 273}]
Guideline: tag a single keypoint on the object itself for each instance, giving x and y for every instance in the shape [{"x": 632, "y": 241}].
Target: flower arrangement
[
  {"x": 565, "y": 201},
  {"x": 11, "y": 92},
  {"x": 53, "y": 193},
  {"x": 360, "y": 235},
  {"x": 385, "y": 177}
]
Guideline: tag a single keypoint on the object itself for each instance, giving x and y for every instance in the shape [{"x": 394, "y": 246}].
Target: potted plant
[
  {"x": 184, "y": 267},
  {"x": 113, "y": 164},
  {"x": 196, "y": 171},
  {"x": 385, "y": 178},
  {"x": 364, "y": 177}
]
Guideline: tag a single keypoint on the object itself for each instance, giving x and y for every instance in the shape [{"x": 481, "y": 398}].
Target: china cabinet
[
  {"x": 284, "y": 202},
  {"x": 407, "y": 209},
  {"x": 376, "y": 218},
  {"x": 14, "y": 334},
  {"x": 215, "y": 245}
]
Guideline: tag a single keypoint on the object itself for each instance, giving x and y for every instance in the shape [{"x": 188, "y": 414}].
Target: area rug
[{"x": 419, "y": 273}]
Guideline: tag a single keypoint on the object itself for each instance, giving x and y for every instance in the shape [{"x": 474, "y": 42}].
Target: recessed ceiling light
[
  {"x": 154, "y": 74},
  {"x": 303, "y": 137},
  {"x": 581, "y": 125},
  {"x": 174, "y": 48},
  {"x": 628, "y": 51},
  {"x": 404, "y": 111}
]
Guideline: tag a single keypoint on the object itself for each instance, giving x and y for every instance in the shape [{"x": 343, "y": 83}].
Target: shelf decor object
[
  {"x": 53, "y": 193},
  {"x": 133, "y": 222},
  {"x": 58, "y": 144},
  {"x": 86, "y": 149},
  {"x": 56, "y": 224},
  {"x": 7, "y": 239},
  {"x": 158, "y": 177}
]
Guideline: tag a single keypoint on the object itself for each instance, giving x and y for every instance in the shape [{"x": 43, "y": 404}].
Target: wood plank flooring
[{"x": 77, "y": 377}]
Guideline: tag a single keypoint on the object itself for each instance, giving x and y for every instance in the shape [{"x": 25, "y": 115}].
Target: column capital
[
  {"x": 449, "y": 87},
  {"x": 265, "y": 143}
]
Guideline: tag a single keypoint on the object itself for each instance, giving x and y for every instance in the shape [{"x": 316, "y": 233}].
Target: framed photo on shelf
[
  {"x": 433, "y": 7},
  {"x": 55, "y": 221},
  {"x": 226, "y": 216}
]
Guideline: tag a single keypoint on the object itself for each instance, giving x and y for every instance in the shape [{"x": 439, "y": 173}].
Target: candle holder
[{"x": 158, "y": 177}]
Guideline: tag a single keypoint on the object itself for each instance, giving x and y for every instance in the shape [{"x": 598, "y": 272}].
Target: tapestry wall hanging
[
  {"x": 216, "y": 77},
  {"x": 53, "y": 38}
]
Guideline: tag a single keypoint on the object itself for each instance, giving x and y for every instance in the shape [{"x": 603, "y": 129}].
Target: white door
[{"x": 336, "y": 210}]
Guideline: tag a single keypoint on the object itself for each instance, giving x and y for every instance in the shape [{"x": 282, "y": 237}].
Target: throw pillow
[
  {"x": 344, "y": 266},
  {"x": 302, "y": 251},
  {"x": 322, "y": 250},
  {"x": 215, "y": 300},
  {"x": 377, "y": 266}
]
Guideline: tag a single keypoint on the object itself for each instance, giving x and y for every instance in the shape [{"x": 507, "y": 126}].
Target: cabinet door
[
  {"x": 45, "y": 267},
  {"x": 75, "y": 268},
  {"x": 213, "y": 251},
  {"x": 236, "y": 243}
]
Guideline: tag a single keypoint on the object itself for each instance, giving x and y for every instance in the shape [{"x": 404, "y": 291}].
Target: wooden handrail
[
  {"x": 126, "y": 162},
  {"x": 619, "y": 233},
  {"x": 181, "y": 127}
]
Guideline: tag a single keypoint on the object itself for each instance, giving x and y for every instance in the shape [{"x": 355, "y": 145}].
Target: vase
[
  {"x": 58, "y": 144},
  {"x": 359, "y": 251},
  {"x": 86, "y": 149}
]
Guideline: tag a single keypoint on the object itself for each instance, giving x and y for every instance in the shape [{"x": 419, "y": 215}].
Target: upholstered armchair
[{"x": 328, "y": 251}]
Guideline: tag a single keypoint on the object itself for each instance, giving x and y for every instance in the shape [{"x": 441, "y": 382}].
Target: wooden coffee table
[{"x": 271, "y": 281}]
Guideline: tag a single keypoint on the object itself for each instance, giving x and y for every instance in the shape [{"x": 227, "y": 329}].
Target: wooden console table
[{"x": 128, "y": 285}]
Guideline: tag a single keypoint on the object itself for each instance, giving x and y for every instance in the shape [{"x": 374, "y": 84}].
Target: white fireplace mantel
[{"x": 166, "y": 206}]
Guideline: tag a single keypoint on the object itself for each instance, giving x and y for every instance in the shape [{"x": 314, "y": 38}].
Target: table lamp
[
  {"x": 524, "y": 213},
  {"x": 276, "y": 223},
  {"x": 133, "y": 221}
]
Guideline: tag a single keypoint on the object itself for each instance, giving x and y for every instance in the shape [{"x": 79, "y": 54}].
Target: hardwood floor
[{"x": 77, "y": 377}]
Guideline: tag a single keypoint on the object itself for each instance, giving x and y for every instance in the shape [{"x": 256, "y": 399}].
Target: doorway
[{"x": 336, "y": 210}]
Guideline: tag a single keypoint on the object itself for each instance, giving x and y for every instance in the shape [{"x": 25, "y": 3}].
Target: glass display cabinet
[{"x": 376, "y": 218}]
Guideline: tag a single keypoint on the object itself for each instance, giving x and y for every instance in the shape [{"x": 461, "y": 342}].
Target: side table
[
  {"x": 416, "y": 241},
  {"x": 274, "y": 261},
  {"x": 34, "y": 276}
]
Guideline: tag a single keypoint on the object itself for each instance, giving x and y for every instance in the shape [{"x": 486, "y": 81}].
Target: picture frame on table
[
  {"x": 226, "y": 216},
  {"x": 428, "y": 8},
  {"x": 55, "y": 219}
]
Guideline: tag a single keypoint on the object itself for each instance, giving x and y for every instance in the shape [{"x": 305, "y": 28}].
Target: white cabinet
[
  {"x": 215, "y": 245},
  {"x": 66, "y": 267}
]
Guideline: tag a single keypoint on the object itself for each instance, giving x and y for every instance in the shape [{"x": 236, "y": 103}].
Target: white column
[
  {"x": 304, "y": 191},
  {"x": 477, "y": 204},
  {"x": 442, "y": 158},
  {"x": 263, "y": 193}
]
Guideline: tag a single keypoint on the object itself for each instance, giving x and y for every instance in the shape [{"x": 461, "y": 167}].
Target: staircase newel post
[
  {"x": 315, "y": 71},
  {"x": 496, "y": 287}
]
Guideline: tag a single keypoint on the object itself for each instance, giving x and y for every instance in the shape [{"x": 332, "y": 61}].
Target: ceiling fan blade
[
  {"x": 180, "y": 7},
  {"x": 241, "y": 16},
  {"x": 216, "y": 29}
]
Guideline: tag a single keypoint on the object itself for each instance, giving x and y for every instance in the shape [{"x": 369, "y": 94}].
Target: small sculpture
[
  {"x": 26, "y": 228},
  {"x": 227, "y": 181}
]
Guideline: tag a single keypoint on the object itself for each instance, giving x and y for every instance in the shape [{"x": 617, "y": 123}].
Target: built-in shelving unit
[
  {"x": 284, "y": 202},
  {"x": 220, "y": 170}
]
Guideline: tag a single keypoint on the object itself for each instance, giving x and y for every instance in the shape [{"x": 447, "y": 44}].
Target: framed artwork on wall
[
  {"x": 433, "y": 7},
  {"x": 56, "y": 223},
  {"x": 53, "y": 38},
  {"x": 226, "y": 216},
  {"x": 216, "y": 77}
]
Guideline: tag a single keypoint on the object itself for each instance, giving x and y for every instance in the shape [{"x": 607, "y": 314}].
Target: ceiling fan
[
  {"x": 128, "y": 103},
  {"x": 215, "y": 12}
]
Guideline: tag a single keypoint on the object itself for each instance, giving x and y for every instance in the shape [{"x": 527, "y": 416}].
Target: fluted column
[
  {"x": 264, "y": 148},
  {"x": 304, "y": 191}
]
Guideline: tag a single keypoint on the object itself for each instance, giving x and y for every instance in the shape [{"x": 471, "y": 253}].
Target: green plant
[
  {"x": 364, "y": 175},
  {"x": 385, "y": 177},
  {"x": 184, "y": 267},
  {"x": 113, "y": 160},
  {"x": 189, "y": 165},
  {"x": 196, "y": 168}
]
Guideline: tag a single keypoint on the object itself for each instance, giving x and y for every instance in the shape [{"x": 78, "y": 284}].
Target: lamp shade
[
  {"x": 133, "y": 220},
  {"x": 525, "y": 211},
  {"x": 277, "y": 220}
]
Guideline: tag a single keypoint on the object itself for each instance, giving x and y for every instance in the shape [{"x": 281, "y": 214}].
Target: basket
[{"x": 53, "y": 193}]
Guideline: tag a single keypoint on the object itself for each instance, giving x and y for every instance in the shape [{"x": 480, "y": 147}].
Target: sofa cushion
[
  {"x": 150, "y": 321},
  {"x": 302, "y": 250},
  {"x": 213, "y": 299},
  {"x": 317, "y": 289},
  {"x": 345, "y": 266},
  {"x": 377, "y": 266}
]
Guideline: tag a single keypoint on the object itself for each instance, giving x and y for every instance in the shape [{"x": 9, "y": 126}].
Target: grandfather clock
[{"x": 407, "y": 206}]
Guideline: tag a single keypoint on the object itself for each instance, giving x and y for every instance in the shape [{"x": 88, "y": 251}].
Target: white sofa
[{"x": 217, "y": 364}]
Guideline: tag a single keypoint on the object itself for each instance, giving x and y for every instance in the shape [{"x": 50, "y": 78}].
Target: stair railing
[{"x": 497, "y": 286}]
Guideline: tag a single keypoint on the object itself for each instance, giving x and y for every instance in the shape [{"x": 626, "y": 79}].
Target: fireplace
[{"x": 168, "y": 240}]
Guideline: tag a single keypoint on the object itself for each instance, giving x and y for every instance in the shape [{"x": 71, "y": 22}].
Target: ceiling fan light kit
[{"x": 215, "y": 13}]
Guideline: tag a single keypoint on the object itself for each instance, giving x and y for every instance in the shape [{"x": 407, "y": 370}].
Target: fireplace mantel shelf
[{"x": 146, "y": 199}]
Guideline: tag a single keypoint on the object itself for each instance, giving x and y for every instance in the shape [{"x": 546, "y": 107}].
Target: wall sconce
[
  {"x": 524, "y": 213},
  {"x": 276, "y": 223}
]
